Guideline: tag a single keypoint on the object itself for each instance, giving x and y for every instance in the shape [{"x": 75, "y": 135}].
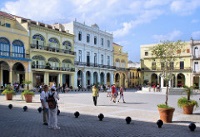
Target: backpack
[{"x": 51, "y": 101}]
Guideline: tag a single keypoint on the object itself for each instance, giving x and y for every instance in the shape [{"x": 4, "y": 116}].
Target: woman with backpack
[{"x": 53, "y": 97}]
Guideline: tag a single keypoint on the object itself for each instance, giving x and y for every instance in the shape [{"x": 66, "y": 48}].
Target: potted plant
[
  {"x": 8, "y": 92},
  {"x": 186, "y": 103},
  {"x": 166, "y": 54},
  {"x": 27, "y": 93}
]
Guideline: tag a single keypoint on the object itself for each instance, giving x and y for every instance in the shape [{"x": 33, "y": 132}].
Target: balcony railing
[
  {"x": 71, "y": 69},
  {"x": 52, "y": 49},
  {"x": 195, "y": 57},
  {"x": 94, "y": 65},
  {"x": 121, "y": 69},
  {"x": 172, "y": 69}
]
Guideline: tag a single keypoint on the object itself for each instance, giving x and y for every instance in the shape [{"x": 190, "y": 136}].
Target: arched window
[
  {"x": 66, "y": 64},
  {"x": 38, "y": 61},
  {"x": 196, "y": 52},
  {"x": 4, "y": 47},
  {"x": 53, "y": 42},
  {"x": 38, "y": 40},
  {"x": 54, "y": 63},
  {"x": 18, "y": 49},
  {"x": 117, "y": 63},
  {"x": 67, "y": 45}
]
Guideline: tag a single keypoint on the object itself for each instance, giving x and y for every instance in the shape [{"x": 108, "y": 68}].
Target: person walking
[
  {"x": 113, "y": 93},
  {"x": 53, "y": 119},
  {"x": 95, "y": 94},
  {"x": 43, "y": 97},
  {"x": 121, "y": 94}
]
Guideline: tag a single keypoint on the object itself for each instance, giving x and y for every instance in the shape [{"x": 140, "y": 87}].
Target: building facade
[
  {"x": 14, "y": 54},
  {"x": 134, "y": 74},
  {"x": 94, "y": 55},
  {"x": 195, "y": 50},
  {"x": 151, "y": 70},
  {"x": 121, "y": 63}
]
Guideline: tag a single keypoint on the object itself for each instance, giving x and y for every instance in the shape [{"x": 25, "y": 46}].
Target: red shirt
[{"x": 113, "y": 89}]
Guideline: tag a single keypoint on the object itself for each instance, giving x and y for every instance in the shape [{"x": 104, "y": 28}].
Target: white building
[{"x": 94, "y": 54}]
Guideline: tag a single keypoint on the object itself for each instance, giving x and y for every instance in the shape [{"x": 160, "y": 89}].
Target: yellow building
[
  {"x": 151, "y": 70},
  {"x": 52, "y": 53},
  {"x": 134, "y": 74},
  {"x": 14, "y": 53},
  {"x": 120, "y": 60}
]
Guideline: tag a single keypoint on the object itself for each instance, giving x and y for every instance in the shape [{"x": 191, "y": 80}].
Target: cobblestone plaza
[{"x": 139, "y": 106}]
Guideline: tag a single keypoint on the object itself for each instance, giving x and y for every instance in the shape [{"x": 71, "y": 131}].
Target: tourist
[
  {"x": 121, "y": 94},
  {"x": 43, "y": 97},
  {"x": 95, "y": 94},
  {"x": 108, "y": 91},
  {"x": 114, "y": 93},
  {"x": 53, "y": 119}
]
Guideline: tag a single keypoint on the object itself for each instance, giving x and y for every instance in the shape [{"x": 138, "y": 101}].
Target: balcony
[
  {"x": 121, "y": 69},
  {"x": 196, "y": 72},
  {"x": 71, "y": 69},
  {"x": 94, "y": 65},
  {"x": 52, "y": 49},
  {"x": 196, "y": 57},
  {"x": 14, "y": 55},
  {"x": 173, "y": 69}
]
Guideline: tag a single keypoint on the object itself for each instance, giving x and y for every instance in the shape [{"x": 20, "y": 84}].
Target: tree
[
  {"x": 27, "y": 82},
  {"x": 166, "y": 53}
]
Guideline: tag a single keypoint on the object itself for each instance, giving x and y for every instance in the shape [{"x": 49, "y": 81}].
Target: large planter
[
  {"x": 188, "y": 109},
  {"x": 9, "y": 96},
  {"x": 28, "y": 98},
  {"x": 166, "y": 114}
]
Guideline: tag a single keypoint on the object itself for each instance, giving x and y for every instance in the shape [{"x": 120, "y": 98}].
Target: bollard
[
  {"x": 100, "y": 116},
  {"x": 128, "y": 120},
  {"x": 25, "y": 108},
  {"x": 10, "y": 106},
  {"x": 76, "y": 114},
  {"x": 39, "y": 109},
  {"x": 192, "y": 126},
  {"x": 159, "y": 123}
]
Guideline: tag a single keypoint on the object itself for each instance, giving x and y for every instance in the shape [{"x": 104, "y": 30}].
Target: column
[
  {"x": 60, "y": 79},
  {"x": 169, "y": 83},
  {"x": 176, "y": 81},
  {"x": 111, "y": 78},
  {"x": 46, "y": 78},
  {"x": 105, "y": 79},
  {"x": 72, "y": 79},
  {"x": 75, "y": 78},
  {"x": 199, "y": 82},
  {"x": 83, "y": 79},
  {"x": 98, "y": 77},
  {"x": 1, "y": 77},
  {"x": 161, "y": 84},
  {"x": 10, "y": 76}
]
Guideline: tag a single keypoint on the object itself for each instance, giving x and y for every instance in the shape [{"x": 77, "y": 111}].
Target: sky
[{"x": 132, "y": 22}]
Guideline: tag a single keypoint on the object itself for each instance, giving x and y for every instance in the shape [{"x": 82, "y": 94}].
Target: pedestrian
[
  {"x": 108, "y": 91},
  {"x": 53, "y": 119},
  {"x": 113, "y": 93},
  {"x": 43, "y": 98},
  {"x": 95, "y": 94},
  {"x": 121, "y": 94}
]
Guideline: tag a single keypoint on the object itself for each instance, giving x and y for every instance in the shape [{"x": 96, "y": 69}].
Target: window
[
  {"x": 95, "y": 40},
  {"x": 108, "y": 43},
  {"x": 80, "y": 36},
  {"x": 181, "y": 64},
  {"x": 8, "y": 25},
  {"x": 88, "y": 59},
  {"x": 18, "y": 49},
  {"x": 153, "y": 65},
  {"x": 4, "y": 47},
  {"x": 108, "y": 60},
  {"x": 188, "y": 50},
  {"x": 171, "y": 65},
  {"x": 146, "y": 53},
  {"x": 80, "y": 56},
  {"x": 162, "y": 65},
  {"x": 95, "y": 59},
  {"x": 101, "y": 58},
  {"x": 102, "y": 41},
  {"x": 88, "y": 38}
]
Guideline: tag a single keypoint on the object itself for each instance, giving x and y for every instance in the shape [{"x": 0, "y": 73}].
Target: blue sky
[{"x": 132, "y": 22}]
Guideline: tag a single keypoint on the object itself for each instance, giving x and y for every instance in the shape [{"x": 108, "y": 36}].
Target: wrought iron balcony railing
[
  {"x": 93, "y": 65},
  {"x": 52, "y": 49},
  {"x": 71, "y": 69}
]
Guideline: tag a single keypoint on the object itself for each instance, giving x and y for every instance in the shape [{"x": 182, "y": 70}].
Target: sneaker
[
  {"x": 118, "y": 100},
  {"x": 56, "y": 128},
  {"x": 124, "y": 102}
]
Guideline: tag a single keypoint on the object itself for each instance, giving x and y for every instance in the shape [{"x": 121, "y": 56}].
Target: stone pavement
[{"x": 140, "y": 107}]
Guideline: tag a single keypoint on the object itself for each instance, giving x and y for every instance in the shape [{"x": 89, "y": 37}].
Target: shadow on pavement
[{"x": 17, "y": 123}]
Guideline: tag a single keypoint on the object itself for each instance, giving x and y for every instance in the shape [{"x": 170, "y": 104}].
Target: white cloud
[
  {"x": 196, "y": 35},
  {"x": 195, "y": 21},
  {"x": 174, "y": 35},
  {"x": 184, "y": 7}
]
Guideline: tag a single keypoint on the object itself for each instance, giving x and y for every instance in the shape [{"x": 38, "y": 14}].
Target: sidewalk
[{"x": 16, "y": 123}]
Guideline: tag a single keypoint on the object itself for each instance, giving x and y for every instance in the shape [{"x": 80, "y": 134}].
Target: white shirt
[{"x": 43, "y": 96}]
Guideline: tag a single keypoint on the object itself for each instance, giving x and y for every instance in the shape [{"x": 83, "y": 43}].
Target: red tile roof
[{"x": 7, "y": 15}]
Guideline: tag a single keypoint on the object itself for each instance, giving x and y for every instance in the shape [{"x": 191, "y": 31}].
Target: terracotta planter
[
  {"x": 166, "y": 114},
  {"x": 28, "y": 98},
  {"x": 188, "y": 109},
  {"x": 9, "y": 96}
]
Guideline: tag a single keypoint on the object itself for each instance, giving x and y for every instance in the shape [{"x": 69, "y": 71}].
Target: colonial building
[
  {"x": 94, "y": 58},
  {"x": 195, "y": 47},
  {"x": 181, "y": 68},
  {"x": 134, "y": 74},
  {"x": 14, "y": 54},
  {"x": 121, "y": 63}
]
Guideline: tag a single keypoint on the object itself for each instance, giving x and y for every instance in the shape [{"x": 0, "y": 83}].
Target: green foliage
[
  {"x": 8, "y": 90},
  {"x": 163, "y": 106},
  {"x": 185, "y": 102},
  {"x": 27, "y": 82},
  {"x": 27, "y": 92}
]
